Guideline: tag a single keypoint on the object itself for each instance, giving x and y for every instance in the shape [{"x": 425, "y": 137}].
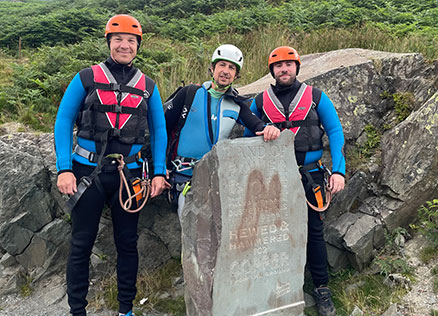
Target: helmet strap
[{"x": 219, "y": 86}]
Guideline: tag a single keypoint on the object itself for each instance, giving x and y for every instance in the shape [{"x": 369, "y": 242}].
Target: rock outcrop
[
  {"x": 391, "y": 154},
  {"x": 35, "y": 230}
]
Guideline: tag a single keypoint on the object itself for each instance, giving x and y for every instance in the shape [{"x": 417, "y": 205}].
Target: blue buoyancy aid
[{"x": 195, "y": 139}]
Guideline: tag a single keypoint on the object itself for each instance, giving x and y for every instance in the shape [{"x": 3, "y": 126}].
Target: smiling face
[
  {"x": 224, "y": 73},
  {"x": 285, "y": 72},
  {"x": 123, "y": 47}
]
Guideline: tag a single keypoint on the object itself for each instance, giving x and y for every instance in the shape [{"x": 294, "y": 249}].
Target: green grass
[
  {"x": 257, "y": 45},
  {"x": 428, "y": 253},
  {"x": 150, "y": 285},
  {"x": 26, "y": 288},
  {"x": 41, "y": 76},
  {"x": 365, "y": 291}
]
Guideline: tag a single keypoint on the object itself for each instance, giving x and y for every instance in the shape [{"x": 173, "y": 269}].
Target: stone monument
[{"x": 245, "y": 231}]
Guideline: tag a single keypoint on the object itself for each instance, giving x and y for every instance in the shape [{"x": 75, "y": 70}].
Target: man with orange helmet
[
  {"x": 111, "y": 104},
  {"x": 308, "y": 112}
]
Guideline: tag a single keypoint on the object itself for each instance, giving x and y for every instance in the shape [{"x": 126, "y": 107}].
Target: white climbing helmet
[{"x": 229, "y": 53}]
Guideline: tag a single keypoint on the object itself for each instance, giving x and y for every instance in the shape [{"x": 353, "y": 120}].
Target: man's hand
[
  {"x": 67, "y": 183},
  {"x": 158, "y": 185},
  {"x": 269, "y": 133},
  {"x": 336, "y": 183}
]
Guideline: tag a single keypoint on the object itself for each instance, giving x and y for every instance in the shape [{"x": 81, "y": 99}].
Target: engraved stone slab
[{"x": 244, "y": 230}]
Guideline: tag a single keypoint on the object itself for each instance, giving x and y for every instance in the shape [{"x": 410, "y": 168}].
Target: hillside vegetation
[{"x": 43, "y": 44}]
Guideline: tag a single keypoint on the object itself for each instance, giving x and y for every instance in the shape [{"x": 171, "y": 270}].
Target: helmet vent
[
  {"x": 219, "y": 52},
  {"x": 115, "y": 24},
  {"x": 275, "y": 55},
  {"x": 133, "y": 25},
  {"x": 291, "y": 53}
]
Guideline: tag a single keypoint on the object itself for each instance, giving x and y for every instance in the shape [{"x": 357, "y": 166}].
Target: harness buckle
[
  {"x": 287, "y": 124},
  {"x": 86, "y": 181},
  {"x": 91, "y": 156}
]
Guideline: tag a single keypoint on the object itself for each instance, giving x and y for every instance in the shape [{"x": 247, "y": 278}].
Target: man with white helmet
[{"x": 197, "y": 117}]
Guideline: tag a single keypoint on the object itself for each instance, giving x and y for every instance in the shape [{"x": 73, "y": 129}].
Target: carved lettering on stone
[{"x": 251, "y": 254}]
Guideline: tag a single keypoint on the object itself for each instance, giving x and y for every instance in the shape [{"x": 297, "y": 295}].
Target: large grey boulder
[{"x": 27, "y": 206}]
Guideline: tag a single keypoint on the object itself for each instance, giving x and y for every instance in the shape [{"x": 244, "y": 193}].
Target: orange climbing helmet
[
  {"x": 123, "y": 23},
  {"x": 283, "y": 53}
]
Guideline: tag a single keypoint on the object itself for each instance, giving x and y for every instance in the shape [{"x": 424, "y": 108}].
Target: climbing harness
[
  {"x": 141, "y": 187},
  {"x": 322, "y": 201},
  {"x": 180, "y": 183}
]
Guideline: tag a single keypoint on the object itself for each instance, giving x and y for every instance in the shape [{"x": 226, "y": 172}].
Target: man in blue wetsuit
[
  {"x": 214, "y": 109},
  {"x": 303, "y": 109},
  {"x": 111, "y": 104}
]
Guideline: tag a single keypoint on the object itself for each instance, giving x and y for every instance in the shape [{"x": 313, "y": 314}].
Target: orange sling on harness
[{"x": 316, "y": 188}]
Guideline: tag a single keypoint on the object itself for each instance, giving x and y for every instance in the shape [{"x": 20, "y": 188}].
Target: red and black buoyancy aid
[
  {"x": 303, "y": 119},
  {"x": 120, "y": 109}
]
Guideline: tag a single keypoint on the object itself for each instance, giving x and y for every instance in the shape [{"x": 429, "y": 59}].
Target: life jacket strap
[
  {"x": 116, "y": 108},
  {"x": 298, "y": 123},
  {"x": 116, "y": 87}
]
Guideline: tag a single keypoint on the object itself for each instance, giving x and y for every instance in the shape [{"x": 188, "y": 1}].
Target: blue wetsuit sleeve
[
  {"x": 253, "y": 108},
  {"x": 65, "y": 119},
  {"x": 157, "y": 130},
  {"x": 332, "y": 126}
]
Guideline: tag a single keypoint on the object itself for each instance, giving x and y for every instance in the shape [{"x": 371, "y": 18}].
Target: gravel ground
[
  {"x": 14, "y": 305},
  {"x": 421, "y": 299},
  {"x": 50, "y": 300}
]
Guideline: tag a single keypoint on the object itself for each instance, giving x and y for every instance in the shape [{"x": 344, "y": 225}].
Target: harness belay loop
[{"x": 141, "y": 188}]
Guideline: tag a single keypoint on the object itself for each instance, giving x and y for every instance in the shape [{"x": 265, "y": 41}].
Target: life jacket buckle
[
  {"x": 115, "y": 87},
  {"x": 117, "y": 108},
  {"x": 115, "y": 132}
]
